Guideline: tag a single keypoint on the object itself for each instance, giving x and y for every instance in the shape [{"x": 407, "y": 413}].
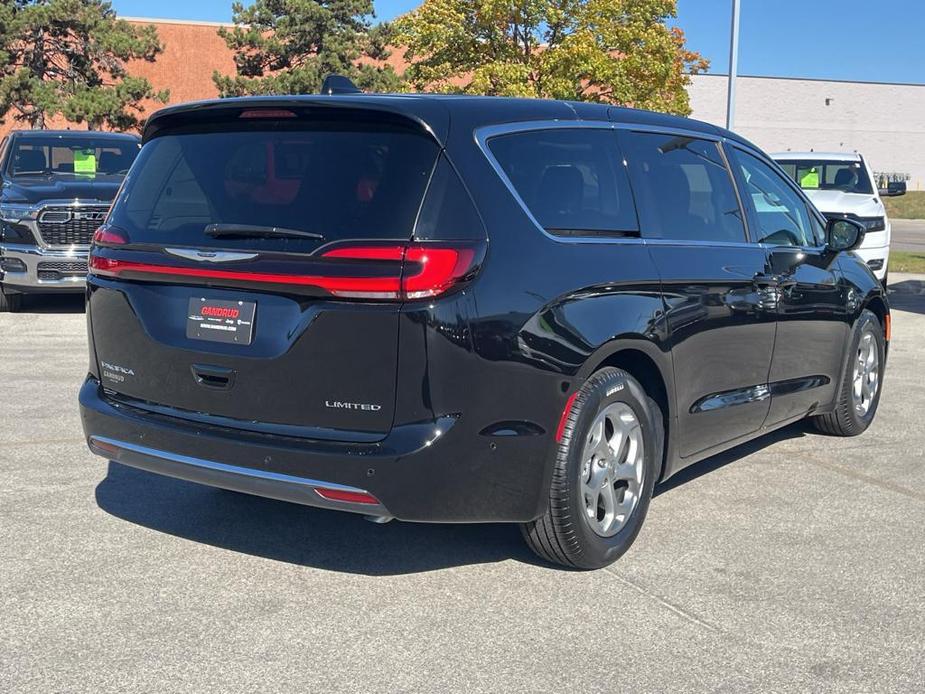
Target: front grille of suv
[{"x": 58, "y": 226}]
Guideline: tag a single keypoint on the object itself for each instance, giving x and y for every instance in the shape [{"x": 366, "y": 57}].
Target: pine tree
[
  {"x": 68, "y": 57},
  {"x": 290, "y": 46}
]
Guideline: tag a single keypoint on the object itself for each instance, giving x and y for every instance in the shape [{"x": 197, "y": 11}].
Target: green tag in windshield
[
  {"x": 84, "y": 161},
  {"x": 810, "y": 179}
]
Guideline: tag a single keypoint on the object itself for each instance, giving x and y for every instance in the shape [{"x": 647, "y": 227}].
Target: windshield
[
  {"x": 846, "y": 176},
  {"x": 71, "y": 155},
  {"x": 313, "y": 186}
]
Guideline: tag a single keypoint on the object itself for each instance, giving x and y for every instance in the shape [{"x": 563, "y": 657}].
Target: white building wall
[{"x": 885, "y": 122}]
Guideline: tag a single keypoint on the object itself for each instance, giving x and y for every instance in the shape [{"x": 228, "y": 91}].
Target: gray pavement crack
[
  {"x": 867, "y": 479},
  {"x": 681, "y": 612}
]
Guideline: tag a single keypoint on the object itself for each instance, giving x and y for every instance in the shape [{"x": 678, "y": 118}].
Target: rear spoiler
[{"x": 426, "y": 114}]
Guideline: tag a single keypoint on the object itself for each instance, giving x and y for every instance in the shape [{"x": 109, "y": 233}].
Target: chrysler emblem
[{"x": 210, "y": 256}]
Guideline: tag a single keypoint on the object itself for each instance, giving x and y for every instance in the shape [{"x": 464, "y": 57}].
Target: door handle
[
  {"x": 215, "y": 377},
  {"x": 782, "y": 282}
]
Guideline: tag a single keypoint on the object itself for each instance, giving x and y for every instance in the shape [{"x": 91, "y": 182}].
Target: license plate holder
[{"x": 219, "y": 320}]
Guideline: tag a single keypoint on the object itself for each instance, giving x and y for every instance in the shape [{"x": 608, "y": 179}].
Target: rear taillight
[
  {"x": 363, "y": 271},
  {"x": 360, "y": 287},
  {"x": 426, "y": 271},
  {"x": 107, "y": 236},
  {"x": 431, "y": 271}
]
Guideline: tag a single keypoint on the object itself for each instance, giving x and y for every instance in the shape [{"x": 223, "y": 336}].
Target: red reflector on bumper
[
  {"x": 103, "y": 447},
  {"x": 346, "y": 496}
]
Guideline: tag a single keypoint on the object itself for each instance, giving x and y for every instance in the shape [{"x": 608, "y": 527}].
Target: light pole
[{"x": 733, "y": 66}]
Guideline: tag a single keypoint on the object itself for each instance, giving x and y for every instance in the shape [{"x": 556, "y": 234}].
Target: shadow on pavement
[
  {"x": 330, "y": 540},
  {"x": 907, "y": 295},
  {"x": 792, "y": 431},
  {"x": 53, "y": 303}
]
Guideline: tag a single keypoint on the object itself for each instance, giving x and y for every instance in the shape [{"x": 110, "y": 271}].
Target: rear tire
[
  {"x": 604, "y": 473},
  {"x": 859, "y": 392},
  {"x": 9, "y": 303}
]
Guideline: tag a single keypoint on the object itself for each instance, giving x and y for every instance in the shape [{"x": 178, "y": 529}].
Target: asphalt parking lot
[
  {"x": 908, "y": 235},
  {"x": 794, "y": 563}
]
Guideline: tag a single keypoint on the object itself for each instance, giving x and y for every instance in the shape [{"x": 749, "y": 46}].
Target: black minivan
[{"x": 466, "y": 309}]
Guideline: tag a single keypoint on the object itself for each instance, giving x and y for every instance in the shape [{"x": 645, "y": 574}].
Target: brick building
[{"x": 192, "y": 52}]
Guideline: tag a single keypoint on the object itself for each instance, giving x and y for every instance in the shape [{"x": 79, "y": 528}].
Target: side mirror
[
  {"x": 893, "y": 189},
  {"x": 842, "y": 234}
]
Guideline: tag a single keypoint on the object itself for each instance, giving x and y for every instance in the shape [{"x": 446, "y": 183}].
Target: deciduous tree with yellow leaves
[{"x": 613, "y": 51}]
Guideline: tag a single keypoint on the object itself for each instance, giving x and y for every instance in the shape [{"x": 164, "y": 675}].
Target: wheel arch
[
  {"x": 645, "y": 362},
  {"x": 876, "y": 305}
]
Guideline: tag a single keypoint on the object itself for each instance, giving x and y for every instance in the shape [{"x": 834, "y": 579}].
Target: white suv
[{"x": 842, "y": 184}]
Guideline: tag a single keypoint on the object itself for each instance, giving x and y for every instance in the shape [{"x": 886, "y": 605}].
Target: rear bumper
[
  {"x": 299, "y": 490},
  {"x": 430, "y": 472},
  {"x": 34, "y": 259}
]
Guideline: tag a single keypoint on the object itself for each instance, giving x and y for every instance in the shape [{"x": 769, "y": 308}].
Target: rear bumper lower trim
[
  {"x": 274, "y": 485},
  {"x": 440, "y": 471}
]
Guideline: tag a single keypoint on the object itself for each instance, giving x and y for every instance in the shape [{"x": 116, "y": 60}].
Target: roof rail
[{"x": 339, "y": 84}]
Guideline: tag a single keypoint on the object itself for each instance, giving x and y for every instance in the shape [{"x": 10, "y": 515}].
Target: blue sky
[{"x": 828, "y": 39}]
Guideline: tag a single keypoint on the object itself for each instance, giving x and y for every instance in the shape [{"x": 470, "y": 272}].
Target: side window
[
  {"x": 782, "y": 216},
  {"x": 572, "y": 180},
  {"x": 448, "y": 212},
  {"x": 683, "y": 188}
]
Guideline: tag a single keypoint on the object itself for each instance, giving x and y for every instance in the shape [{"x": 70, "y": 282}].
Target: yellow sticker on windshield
[
  {"x": 810, "y": 179},
  {"x": 84, "y": 161}
]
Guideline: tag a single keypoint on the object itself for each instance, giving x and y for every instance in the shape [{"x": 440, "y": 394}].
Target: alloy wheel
[
  {"x": 612, "y": 469},
  {"x": 866, "y": 377}
]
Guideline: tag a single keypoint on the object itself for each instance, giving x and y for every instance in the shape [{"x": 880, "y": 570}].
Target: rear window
[
  {"x": 572, "y": 180},
  {"x": 339, "y": 183}
]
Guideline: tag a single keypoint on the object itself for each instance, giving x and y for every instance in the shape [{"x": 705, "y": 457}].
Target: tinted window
[
  {"x": 683, "y": 188},
  {"x": 819, "y": 174},
  {"x": 71, "y": 155},
  {"x": 448, "y": 212},
  {"x": 341, "y": 183},
  {"x": 782, "y": 216},
  {"x": 572, "y": 180}
]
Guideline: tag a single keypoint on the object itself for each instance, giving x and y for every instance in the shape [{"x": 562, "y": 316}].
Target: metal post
[{"x": 733, "y": 66}]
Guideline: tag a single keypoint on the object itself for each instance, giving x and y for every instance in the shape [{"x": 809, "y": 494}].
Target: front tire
[
  {"x": 859, "y": 392},
  {"x": 9, "y": 302},
  {"x": 605, "y": 470}
]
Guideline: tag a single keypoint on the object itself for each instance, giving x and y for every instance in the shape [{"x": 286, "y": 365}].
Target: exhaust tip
[{"x": 378, "y": 520}]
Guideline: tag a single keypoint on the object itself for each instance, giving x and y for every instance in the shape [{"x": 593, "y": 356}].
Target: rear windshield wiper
[{"x": 253, "y": 231}]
